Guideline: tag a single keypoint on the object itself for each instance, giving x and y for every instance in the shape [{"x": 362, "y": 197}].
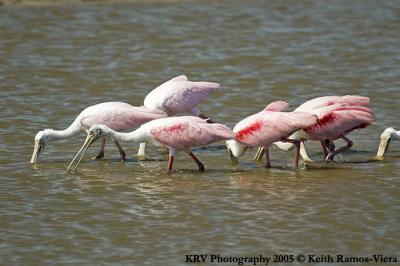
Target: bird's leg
[
  {"x": 199, "y": 164},
  {"x": 324, "y": 150},
  {"x": 259, "y": 154},
  {"x": 303, "y": 153},
  {"x": 121, "y": 151},
  {"x": 172, "y": 153},
  {"x": 332, "y": 154},
  {"x": 297, "y": 156},
  {"x": 267, "y": 160},
  {"x": 142, "y": 149},
  {"x": 330, "y": 145},
  {"x": 101, "y": 153}
]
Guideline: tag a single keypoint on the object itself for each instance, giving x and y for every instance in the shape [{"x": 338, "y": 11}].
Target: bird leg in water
[
  {"x": 267, "y": 160},
  {"x": 199, "y": 164},
  {"x": 297, "y": 155},
  {"x": 172, "y": 153},
  {"x": 259, "y": 154},
  {"x": 170, "y": 163},
  {"x": 142, "y": 149},
  {"x": 121, "y": 151},
  {"x": 332, "y": 154},
  {"x": 304, "y": 154},
  {"x": 325, "y": 151},
  {"x": 101, "y": 153}
]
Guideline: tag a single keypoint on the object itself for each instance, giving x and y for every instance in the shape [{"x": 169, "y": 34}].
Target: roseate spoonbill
[
  {"x": 177, "y": 133},
  {"x": 117, "y": 115},
  {"x": 386, "y": 137},
  {"x": 335, "y": 122},
  {"x": 313, "y": 104},
  {"x": 268, "y": 126},
  {"x": 178, "y": 95}
]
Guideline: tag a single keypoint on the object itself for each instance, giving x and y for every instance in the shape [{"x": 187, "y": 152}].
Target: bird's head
[
  {"x": 386, "y": 137},
  {"x": 236, "y": 149},
  {"x": 95, "y": 132},
  {"x": 41, "y": 140},
  {"x": 99, "y": 131}
]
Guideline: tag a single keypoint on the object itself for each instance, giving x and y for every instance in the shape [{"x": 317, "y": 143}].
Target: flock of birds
[{"x": 324, "y": 119}]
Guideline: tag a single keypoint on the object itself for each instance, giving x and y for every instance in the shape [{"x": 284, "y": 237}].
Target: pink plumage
[
  {"x": 118, "y": 116},
  {"x": 337, "y": 120},
  {"x": 184, "y": 132},
  {"x": 266, "y": 127},
  {"x": 330, "y": 100},
  {"x": 276, "y": 106},
  {"x": 179, "y": 95}
]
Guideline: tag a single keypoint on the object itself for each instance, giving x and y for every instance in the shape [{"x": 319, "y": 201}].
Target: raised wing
[{"x": 183, "y": 96}]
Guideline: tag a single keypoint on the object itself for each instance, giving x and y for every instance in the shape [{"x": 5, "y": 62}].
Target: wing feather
[{"x": 183, "y": 134}]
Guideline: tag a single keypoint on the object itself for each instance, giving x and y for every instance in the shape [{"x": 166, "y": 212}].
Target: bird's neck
[
  {"x": 62, "y": 134},
  {"x": 134, "y": 136}
]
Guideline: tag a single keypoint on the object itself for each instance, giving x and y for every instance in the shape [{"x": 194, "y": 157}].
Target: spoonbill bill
[
  {"x": 178, "y": 95},
  {"x": 386, "y": 137},
  {"x": 269, "y": 126},
  {"x": 116, "y": 115},
  {"x": 314, "y": 104},
  {"x": 177, "y": 133}
]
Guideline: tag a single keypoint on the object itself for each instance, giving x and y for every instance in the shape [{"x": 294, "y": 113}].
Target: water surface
[{"x": 56, "y": 60}]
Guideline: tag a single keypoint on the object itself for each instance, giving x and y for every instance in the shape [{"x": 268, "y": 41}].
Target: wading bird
[
  {"x": 386, "y": 137},
  {"x": 314, "y": 104},
  {"x": 178, "y": 95},
  {"x": 177, "y": 133},
  {"x": 269, "y": 126},
  {"x": 116, "y": 115},
  {"x": 335, "y": 122}
]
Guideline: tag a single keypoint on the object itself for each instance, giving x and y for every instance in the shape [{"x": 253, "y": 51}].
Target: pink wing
[
  {"x": 118, "y": 116},
  {"x": 338, "y": 120},
  {"x": 184, "y": 133},
  {"x": 264, "y": 128},
  {"x": 330, "y": 100},
  {"x": 185, "y": 95},
  {"x": 277, "y": 106}
]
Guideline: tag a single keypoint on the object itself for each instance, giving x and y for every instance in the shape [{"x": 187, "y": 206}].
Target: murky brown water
[{"x": 54, "y": 61}]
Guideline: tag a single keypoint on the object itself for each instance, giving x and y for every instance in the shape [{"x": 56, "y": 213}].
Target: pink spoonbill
[
  {"x": 335, "y": 122},
  {"x": 178, "y": 95},
  {"x": 269, "y": 126},
  {"x": 386, "y": 137},
  {"x": 314, "y": 104},
  {"x": 177, "y": 133},
  {"x": 116, "y": 115}
]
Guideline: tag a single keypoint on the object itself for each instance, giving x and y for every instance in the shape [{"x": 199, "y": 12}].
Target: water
[{"x": 56, "y": 60}]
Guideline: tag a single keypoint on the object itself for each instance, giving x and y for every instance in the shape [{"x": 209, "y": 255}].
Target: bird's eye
[{"x": 98, "y": 131}]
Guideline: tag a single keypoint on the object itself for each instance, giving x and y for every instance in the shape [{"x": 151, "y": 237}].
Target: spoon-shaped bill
[
  {"x": 90, "y": 139},
  {"x": 383, "y": 146},
  {"x": 37, "y": 150}
]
